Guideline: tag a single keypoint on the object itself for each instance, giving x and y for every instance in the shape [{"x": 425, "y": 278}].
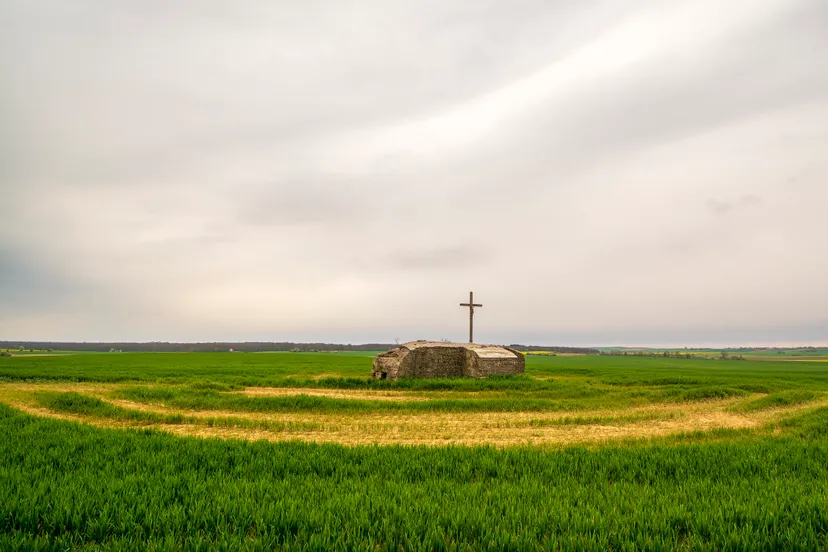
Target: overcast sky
[{"x": 603, "y": 172}]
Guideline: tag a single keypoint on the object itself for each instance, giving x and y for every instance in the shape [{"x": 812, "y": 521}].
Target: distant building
[{"x": 430, "y": 359}]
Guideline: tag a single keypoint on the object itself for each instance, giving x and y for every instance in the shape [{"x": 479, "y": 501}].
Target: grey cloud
[
  {"x": 671, "y": 100},
  {"x": 29, "y": 284},
  {"x": 433, "y": 258},
  {"x": 811, "y": 334},
  {"x": 720, "y": 206},
  {"x": 289, "y": 170},
  {"x": 324, "y": 201},
  {"x": 195, "y": 107}
]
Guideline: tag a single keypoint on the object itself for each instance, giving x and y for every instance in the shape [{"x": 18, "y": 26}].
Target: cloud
[
  {"x": 436, "y": 258},
  {"x": 595, "y": 172},
  {"x": 721, "y": 207},
  {"x": 25, "y": 284}
]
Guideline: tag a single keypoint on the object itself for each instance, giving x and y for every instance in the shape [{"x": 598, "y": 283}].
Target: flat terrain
[
  {"x": 583, "y": 451},
  {"x": 328, "y": 397}
]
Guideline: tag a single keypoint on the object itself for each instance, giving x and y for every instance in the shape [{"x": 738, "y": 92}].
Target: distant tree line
[
  {"x": 206, "y": 347},
  {"x": 246, "y": 347}
]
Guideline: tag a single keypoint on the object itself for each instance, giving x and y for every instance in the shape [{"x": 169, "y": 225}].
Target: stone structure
[{"x": 429, "y": 359}]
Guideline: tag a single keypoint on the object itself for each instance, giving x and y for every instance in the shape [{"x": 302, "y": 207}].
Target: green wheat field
[{"x": 303, "y": 451}]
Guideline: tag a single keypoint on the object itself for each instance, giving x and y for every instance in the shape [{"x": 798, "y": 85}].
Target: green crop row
[
  {"x": 83, "y": 405},
  {"x": 779, "y": 400},
  {"x": 188, "y": 399},
  {"x": 74, "y": 403},
  {"x": 565, "y": 397}
]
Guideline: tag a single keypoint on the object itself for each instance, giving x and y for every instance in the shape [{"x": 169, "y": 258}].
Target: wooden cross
[{"x": 471, "y": 304}]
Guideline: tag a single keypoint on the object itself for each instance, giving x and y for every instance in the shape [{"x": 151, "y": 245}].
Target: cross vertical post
[{"x": 471, "y": 304}]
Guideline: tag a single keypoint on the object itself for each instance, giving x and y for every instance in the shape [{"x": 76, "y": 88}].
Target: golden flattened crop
[
  {"x": 383, "y": 395},
  {"x": 500, "y": 429}
]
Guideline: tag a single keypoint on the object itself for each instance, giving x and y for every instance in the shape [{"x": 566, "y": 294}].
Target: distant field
[
  {"x": 590, "y": 452},
  {"x": 242, "y": 368},
  {"x": 789, "y": 353}
]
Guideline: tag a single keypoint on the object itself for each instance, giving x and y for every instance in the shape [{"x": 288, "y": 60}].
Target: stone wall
[
  {"x": 431, "y": 360},
  {"x": 387, "y": 365},
  {"x": 435, "y": 362},
  {"x": 483, "y": 367}
]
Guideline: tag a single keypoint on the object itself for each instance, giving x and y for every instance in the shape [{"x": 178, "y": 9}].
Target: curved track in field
[{"x": 500, "y": 429}]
